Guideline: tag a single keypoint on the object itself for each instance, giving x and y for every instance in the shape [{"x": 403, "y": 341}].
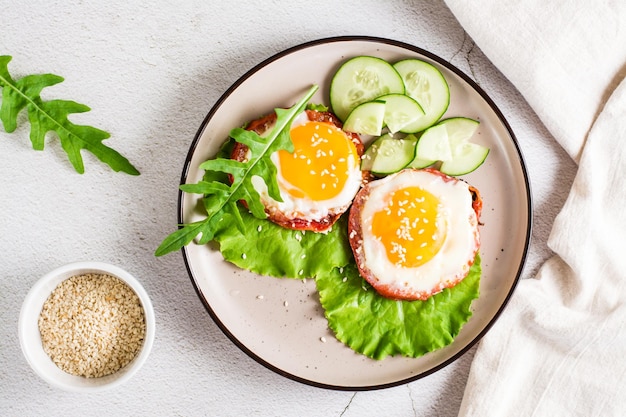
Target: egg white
[{"x": 453, "y": 260}]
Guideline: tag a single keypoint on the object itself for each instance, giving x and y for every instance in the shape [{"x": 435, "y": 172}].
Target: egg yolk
[
  {"x": 321, "y": 162},
  {"x": 410, "y": 226}
]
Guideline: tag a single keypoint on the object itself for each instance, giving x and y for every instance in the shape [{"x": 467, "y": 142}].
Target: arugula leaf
[
  {"x": 379, "y": 327},
  {"x": 317, "y": 107},
  {"x": 220, "y": 200},
  {"x": 46, "y": 116}
]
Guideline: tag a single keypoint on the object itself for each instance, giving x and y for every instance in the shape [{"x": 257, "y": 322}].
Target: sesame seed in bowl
[{"x": 86, "y": 326}]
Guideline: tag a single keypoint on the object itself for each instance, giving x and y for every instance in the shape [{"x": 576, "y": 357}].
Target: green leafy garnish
[
  {"x": 317, "y": 107},
  {"x": 52, "y": 116},
  {"x": 220, "y": 200},
  {"x": 378, "y": 327},
  {"x": 268, "y": 249}
]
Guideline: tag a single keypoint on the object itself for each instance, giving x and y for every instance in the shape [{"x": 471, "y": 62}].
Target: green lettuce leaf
[
  {"x": 378, "y": 327},
  {"x": 268, "y": 249},
  {"x": 52, "y": 116},
  {"x": 220, "y": 199}
]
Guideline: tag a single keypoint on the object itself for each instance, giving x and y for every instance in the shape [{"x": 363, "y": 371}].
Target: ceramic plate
[{"x": 279, "y": 322}]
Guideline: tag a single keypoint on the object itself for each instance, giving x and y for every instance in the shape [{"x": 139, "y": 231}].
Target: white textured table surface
[{"x": 150, "y": 74}]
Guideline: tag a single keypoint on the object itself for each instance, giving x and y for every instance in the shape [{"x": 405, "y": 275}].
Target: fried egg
[
  {"x": 415, "y": 233},
  {"x": 319, "y": 179}
]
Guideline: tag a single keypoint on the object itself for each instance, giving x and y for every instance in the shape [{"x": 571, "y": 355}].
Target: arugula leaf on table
[
  {"x": 46, "y": 116},
  {"x": 220, "y": 200}
]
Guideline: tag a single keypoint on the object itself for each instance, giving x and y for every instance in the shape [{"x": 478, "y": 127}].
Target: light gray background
[{"x": 150, "y": 73}]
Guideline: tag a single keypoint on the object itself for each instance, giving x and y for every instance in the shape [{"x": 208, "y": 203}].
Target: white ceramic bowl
[{"x": 30, "y": 337}]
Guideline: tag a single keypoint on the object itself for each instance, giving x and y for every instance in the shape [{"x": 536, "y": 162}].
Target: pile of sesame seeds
[{"x": 92, "y": 325}]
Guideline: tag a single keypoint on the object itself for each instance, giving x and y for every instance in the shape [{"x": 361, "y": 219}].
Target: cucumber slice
[
  {"x": 387, "y": 155},
  {"x": 400, "y": 111},
  {"x": 467, "y": 157},
  {"x": 448, "y": 141},
  {"x": 442, "y": 142},
  {"x": 434, "y": 144},
  {"x": 366, "y": 118},
  {"x": 427, "y": 85},
  {"x": 418, "y": 162},
  {"x": 361, "y": 79},
  {"x": 460, "y": 130}
]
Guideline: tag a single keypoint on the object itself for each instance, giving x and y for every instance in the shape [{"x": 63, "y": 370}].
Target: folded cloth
[
  {"x": 558, "y": 348},
  {"x": 563, "y": 56}
]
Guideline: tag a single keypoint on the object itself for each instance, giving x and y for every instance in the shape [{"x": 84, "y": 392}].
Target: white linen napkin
[{"x": 559, "y": 347}]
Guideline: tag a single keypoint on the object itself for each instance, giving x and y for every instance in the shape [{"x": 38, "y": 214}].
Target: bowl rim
[{"x": 30, "y": 338}]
